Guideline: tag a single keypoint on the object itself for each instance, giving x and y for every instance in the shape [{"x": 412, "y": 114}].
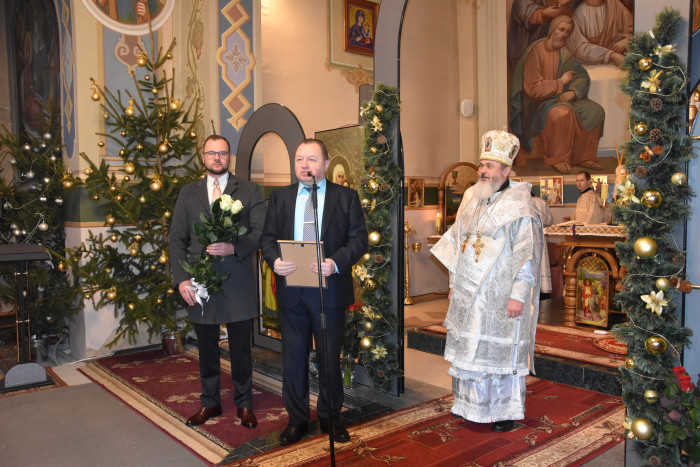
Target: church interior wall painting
[
  {"x": 339, "y": 25},
  {"x": 131, "y": 16},
  {"x": 360, "y": 19},
  {"x": 563, "y": 78}
]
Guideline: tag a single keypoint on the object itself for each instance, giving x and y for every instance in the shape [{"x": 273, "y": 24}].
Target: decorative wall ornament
[
  {"x": 356, "y": 76},
  {"x": 236, "y": 59},
  {"x": 127, "y": 51}
]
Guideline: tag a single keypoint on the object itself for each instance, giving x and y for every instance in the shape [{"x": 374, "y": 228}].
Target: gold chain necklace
[{"x": 479, "y": 243}]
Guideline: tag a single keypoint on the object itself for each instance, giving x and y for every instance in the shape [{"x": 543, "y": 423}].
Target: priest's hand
[
  {"x": 221, "y": 249},
  {"x": 515, "y": 308}
]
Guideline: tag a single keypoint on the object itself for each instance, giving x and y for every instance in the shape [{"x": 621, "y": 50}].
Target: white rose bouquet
[{"x": 222, "y": 227}]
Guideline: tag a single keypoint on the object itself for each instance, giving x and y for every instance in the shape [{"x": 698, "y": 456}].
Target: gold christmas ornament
[
  {"x": 43, "y": 226},
  {"x": 101, "y": 144},
  {"x": 67, "y": 183},
  {"x": 368, "y": 325},
  {"x": 95, "y": 96},
  {"x": 374, "y": 238},
  {"x": 170, "y": 291},
  {"x": 378, "y": 108},
  {"x": 644, "y": 63},
  {"x": 159, "y": 301},
  {"x": 154, "y": 90},
  {"x": 645, "y": 247},
  {"x": 156, "y": 185},
  {"x": 679, "y": 178},
  {"x": 130, "y": 109},
  {"x": 370, "y": 284},
  {"x": 193, "y": 134},
  {"x": 129, "y": 168},
  {"x": 641, "y": 428},
  {"x": 366, "y": 257},
  {"x": 174, "y": 104},
  {"x": 126, "y": 178},
  {"x": 139, "y": 147},
  {"x": 147, "y": 77},
  {"x": 61, "y": 266},
  {"x": 663, "y": 283},
  {"x": 111, "y": 295},
  {"x": 142, "y": 199},
  {"x": 152, "y": 267},
  {"x": 365, "y": 202},
  {"x": 138, "y": 238},
  {"x": 163, "y": 148},
  {"x": 112, "y": 188},
  {"x": 652, "y": 198},
  {"x": 163, "y": 258},
  {"x": 87, "y": 171},
  {"x": 366, "y": 342},
  {"x": 656, "y": 345},
  {"x": 629, "y": 363},
  {"x": 114, "y": 238},
  {"x": 641, "y": 128},
  {"x": 123, "y": 133},
  {"x": 119, "y": 198},
  {"x": 87, "y": 295},
  {"x": 373, "y": 150},
  {"x": 111, "y": 220},
  {"x": 651, "y": 396},
  {"x": 169, "y": 56},
  {"x": 131, "y": 306},
  {"x": 167, "y": 214},
  {"x": 141, "y": 61},
  {"x": 122, "y": 151},
  {"x": 372, "y": 186},
  {"x": 133, "y": 251}
]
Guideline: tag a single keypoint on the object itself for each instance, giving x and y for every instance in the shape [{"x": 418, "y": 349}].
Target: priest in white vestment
[{"x": 493, "y": 253}]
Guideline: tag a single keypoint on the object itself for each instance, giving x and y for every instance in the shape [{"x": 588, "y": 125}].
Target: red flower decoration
[{"x": 678, "y": 371}]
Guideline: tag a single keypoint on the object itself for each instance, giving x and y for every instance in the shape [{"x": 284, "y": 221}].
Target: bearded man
[{"x": 493, "y": 252}]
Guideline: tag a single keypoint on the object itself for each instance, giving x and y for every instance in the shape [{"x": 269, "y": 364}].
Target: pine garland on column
[{"x": 651, "y": 203}]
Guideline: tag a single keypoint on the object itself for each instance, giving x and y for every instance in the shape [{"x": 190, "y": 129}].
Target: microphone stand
[{"x": 314, "y": 198}]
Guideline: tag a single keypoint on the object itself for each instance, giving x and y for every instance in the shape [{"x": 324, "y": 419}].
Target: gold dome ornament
[
  {"x": 652, "y": 198},
  {"x": 641, "y": 128},
  {"x": 126, "y": 178},
  {"x": 147, "y": 77},
  {"x": 141, "y": 61},
  {"x": 129, "y": 168},
  {"x": 629, "y": 363},
  {"x": 366, "y": 342},
  {"x": 154, "y": 90},
  {"x": 644, "y": 63},
  {"x": 655, "y": 345},
  {"x": 130, "y": 109},
  {"x": 111, "y": 220},
  {"x": 663, "y": 283},
  {"x": 61, "y": 266},
  {"x": 645, "y": 247},
  {"x": 679, "y": 178},
  {"x": 170, "y": 291},
  {"x": 641, "y": 428},
  {"x": 374, "y": 238},
  {"x": 651, "y": 396},
  {"x": 373, "y": 186}
]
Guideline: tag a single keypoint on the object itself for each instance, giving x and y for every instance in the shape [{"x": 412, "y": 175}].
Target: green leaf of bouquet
[{"x": 694, "y": 415}]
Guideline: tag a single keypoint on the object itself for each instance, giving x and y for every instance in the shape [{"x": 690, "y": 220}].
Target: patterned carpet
[
  {"x": 563, "y": 426},
  {"x": 165, "y": 390}
]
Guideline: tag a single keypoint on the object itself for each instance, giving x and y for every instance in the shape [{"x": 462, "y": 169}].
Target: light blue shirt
[{"x": 302, "y": 196}]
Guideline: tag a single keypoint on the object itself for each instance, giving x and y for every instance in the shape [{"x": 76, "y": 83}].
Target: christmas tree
[
  {"x": 32, "y": 212},
  {"x": 651, "y": 202},
  {"x": 128, "y": 267}
]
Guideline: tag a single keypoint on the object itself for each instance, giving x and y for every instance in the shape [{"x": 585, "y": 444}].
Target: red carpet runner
[
  {"x": 564, "y": 426},
  {"x": 166, "y": 391}
]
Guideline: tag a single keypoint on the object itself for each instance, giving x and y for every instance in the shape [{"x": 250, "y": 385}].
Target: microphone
[{"x": 310, "y": 174}]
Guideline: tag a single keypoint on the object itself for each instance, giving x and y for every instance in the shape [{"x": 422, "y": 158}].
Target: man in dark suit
[
  {"x": 237, "y": 305},
  {"x": 344, "y": 236}
]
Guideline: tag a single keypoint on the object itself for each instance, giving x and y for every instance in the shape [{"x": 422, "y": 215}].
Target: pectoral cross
[{"x": 478, "y": 245}]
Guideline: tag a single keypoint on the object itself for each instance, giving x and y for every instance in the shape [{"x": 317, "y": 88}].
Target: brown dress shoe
[
  {"x": 204, "y": 414},
  {"x": 247, "y": 417}
]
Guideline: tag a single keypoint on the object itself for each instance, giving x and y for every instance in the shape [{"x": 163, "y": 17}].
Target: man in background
[{"x": 588, "y": 208}]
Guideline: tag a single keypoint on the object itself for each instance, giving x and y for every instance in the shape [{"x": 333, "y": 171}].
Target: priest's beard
[{"x": 485, "y": 188}]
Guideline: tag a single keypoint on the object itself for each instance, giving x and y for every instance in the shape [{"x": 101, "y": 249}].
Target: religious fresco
[
  {"x": 131, "y": 16},
  {"x": 564, "y": 74}
]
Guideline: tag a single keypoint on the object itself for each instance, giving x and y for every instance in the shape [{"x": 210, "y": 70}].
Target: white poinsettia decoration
[{"x": 655, "y": 301}]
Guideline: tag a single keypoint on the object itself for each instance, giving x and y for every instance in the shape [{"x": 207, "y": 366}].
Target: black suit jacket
[
  {"x": 239, "y": 300},
  {"x": 343, "y": 233}
]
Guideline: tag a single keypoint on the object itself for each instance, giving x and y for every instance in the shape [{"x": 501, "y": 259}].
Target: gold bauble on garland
[
  {"x": 651, "y": 396},
  {"x": 373, "y": 150},
  {"x": 372, "y": 186},
  {"x": 370, "y": 284},
  {"x": 629, "y": 363},
  {"x": 652, "y": 198},
  {"x": 641, "y": 428},
  {"x": 378, "y": 108},
  {"x": 644, "y": 63},
  {"x": 366, "y": 257},
  {"x": 645, "y": 247},
  {"x": 641, "y": 129},
  {"x": 663, "y": 283},
  {"x": 374, "y": 238},
  {"x": 655, "y": 345},
  {"x": 365, "y": 202},
  {"x": 366, "y": 342},
  {"x": 679, "y": 178},
  {"x": 368, "y": 325}
]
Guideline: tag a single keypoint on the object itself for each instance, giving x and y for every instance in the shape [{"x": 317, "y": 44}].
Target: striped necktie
[
  {"x": 216, "y": 191},
  {"x": 309, "y": 232}
]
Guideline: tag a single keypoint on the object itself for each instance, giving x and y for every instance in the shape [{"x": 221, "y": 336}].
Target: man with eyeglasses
[{"x": 237, "y": 304}]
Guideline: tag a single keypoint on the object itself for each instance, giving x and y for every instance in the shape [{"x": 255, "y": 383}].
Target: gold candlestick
[{"x": 408, "y": 232}]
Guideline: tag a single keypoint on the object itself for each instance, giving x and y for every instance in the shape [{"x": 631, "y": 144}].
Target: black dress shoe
[
  {"x": 204, "y": 414},
  {"x": 340, "y": 433},
  {"x": 293, "y": 433},
  {"x": 247, "y": 417},
  {"x": 503, "y": 426}
]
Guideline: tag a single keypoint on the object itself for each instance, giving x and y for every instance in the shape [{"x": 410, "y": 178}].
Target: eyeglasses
[{"x": 221, "y": 154}]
